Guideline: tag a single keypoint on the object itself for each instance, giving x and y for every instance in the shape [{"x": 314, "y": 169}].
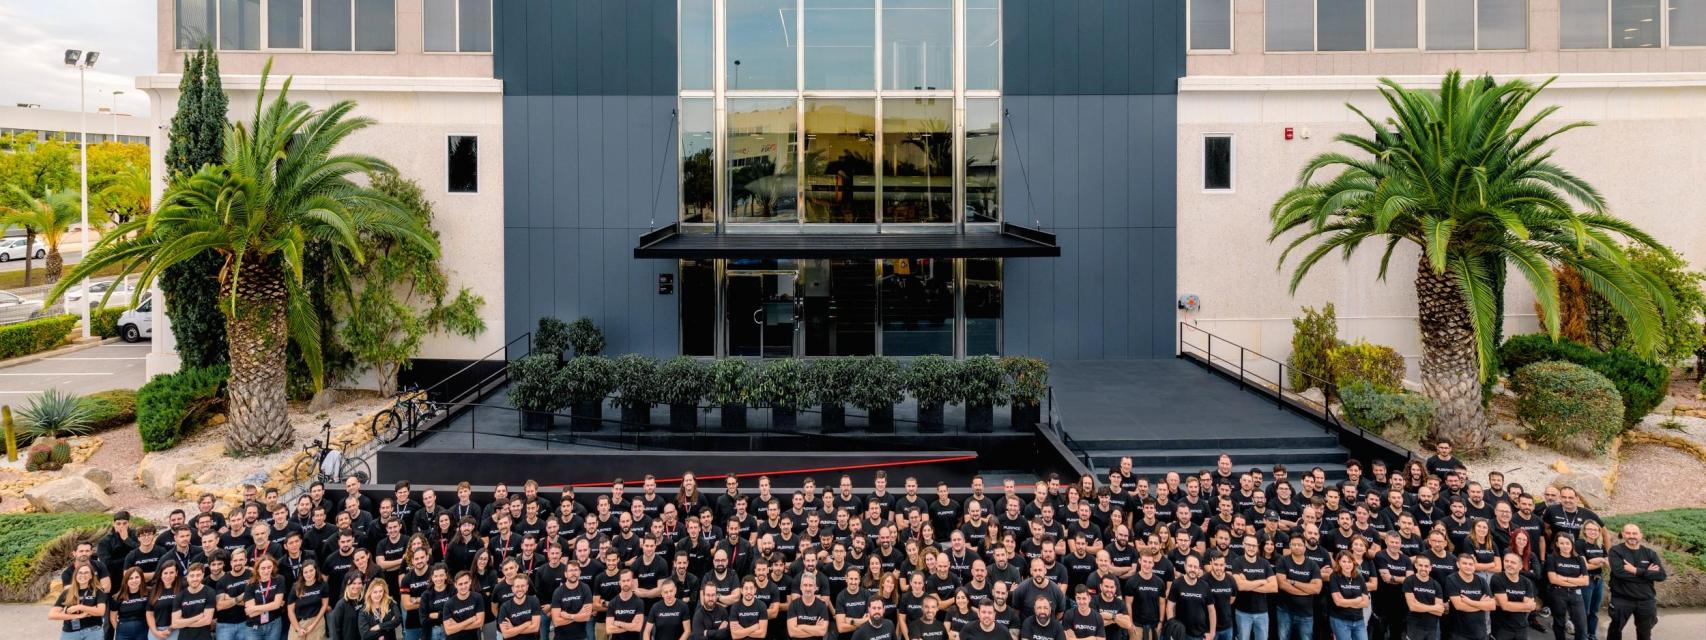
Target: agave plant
[{"x": 53, "y": 414}]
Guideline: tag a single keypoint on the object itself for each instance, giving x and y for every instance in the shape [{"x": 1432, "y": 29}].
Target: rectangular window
[
  {"x": 1451, "y": 25},
  {"x": 1291, "y": 25},
  {"x": 375, "y": 25},
  {"x": 983, "y": 160},
  {"x": 284, "y": 24},
  {"x": 1583, "y": 24},
  {"x": 1502, "y": 24},
  {"x": 983, "y": 44},
  {"x": 1687, "y": 23},
  {"x": 762, "y": 180},
  {"x": 1341, "y": 25},
  {"x": 839, "y": 180},
  {"x": 1217, "y": 163},
  {"x": 332, "y": 25},
  {"x": 983, "y": 306},
  {"x": 1211, "y": 25},
  {"x": 195, "y": 23},
  {"x": 841, "y": 38},
  {"x": 698, "y": 160},
  {"x": 239, "y": 25},
  {"x": 1395, "y": 24},
  {"x": 698, "y": 308},
  {"x": 918, "y": 44},
  {"x": 698, "y": 37},
  {"x": 918, "y": 160},
  {"x": 918, "y": 307},
  {"x": 464, "y": 164},
  {"x": 458, "y": 25},
  {"x": 838, "y": 303},
  {"x": 761, "y": 41},
  {"x": 1635, "y": 23},
  {"x": 439, "y": 18}
]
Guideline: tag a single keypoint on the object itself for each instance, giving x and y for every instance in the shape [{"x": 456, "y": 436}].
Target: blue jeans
[
  {"x": 1222, "y": 634},
  {"x": 412, "y": 634},
  {"x": 272, "y": 630},
  {"x": 1348, "y": 629},
  {"x": 1295, "y": 626},
  {"x": 437, "y": 633},
  {"x": 1251, "y": 626},
  {"x": 230, "y": 631},
  {"x": 170, "y": 635},
  {"x": 131, "y": 630},
  {"x": 85, "y": 633},
  {"x": 1593, "y": 597}
]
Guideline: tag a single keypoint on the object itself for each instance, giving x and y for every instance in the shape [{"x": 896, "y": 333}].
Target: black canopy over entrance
[{"x": 1012, "y": 241}]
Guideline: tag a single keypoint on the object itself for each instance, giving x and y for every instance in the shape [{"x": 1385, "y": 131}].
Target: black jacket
[
  {"x": 342, "y": 623},
  {"x": 1637, "y": 585},
  {"x": 386, "y": 622}
]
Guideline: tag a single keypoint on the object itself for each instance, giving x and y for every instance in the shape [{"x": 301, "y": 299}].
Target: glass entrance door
[{"x": 763, "y": 315}]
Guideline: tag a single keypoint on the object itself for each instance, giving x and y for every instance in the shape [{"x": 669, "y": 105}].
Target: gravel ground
[
  {"x": 1532, "y": 467},
  {"x": 222, "y": 470},
  {"x": 1650, "y": 477}
]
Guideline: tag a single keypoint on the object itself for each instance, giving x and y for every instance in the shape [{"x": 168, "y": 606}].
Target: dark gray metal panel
[
  {"x": 585, "y": 47},
  {"x": 1163, "y": 339},
  {"x": 1165, "y": 154},
  {"x": 1089, "y": 47},
  {"x": 518, "y": 318}
]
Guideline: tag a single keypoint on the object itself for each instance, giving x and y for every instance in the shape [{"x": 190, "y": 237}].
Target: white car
[
  {"x": 13, "y": 249},
  {"x": 14, "y": 308},
  {"x": 138, "y": 323},
  {"x": 121, "y": 294}
]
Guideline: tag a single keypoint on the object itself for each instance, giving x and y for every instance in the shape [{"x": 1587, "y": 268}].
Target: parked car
[
  {"x": 138, "y": 323},
  {"x": 13, "y": 249},
  {"x": 121, "y": 295},
  {"x": 14, "y": 308}
]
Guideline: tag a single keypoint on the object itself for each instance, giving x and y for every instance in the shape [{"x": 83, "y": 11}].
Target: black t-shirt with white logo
[
  {"x": 804, "y": 614},
  {"x": 306, "y": 600},
  {"x": 1427, "y": 591},
  {"x": 1146, "y": 594},
  {"x": 625, "y": 610},
  {"x": 461, "y": 610},
  {"x": 1470, "y": 624},
  {"x": 1298, "y": 573},
  {"x": 1048, "y": 629},
  {"x": 519, "y": 614},
  {"x": 667, "y": 620},
  {"x": 1519, "y": 590},
  {"x": 191, "y": 604},
  {"x": 571, "y": 600},
  {"x": 876, "y": 629},
  {"x": 1083, "y": 625},
  {"x": 1354, "y": 586}
]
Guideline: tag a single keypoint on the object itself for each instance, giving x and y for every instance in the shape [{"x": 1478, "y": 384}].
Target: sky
[{"x": 34, "y": 35}]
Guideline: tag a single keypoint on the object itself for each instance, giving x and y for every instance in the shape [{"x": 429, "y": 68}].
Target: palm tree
[
  {"x": 1462, "y": 176},
  {"x": 49, "y": 217},
  {"x": 127, "y": 194},
  {"x": 282, "y": 191}
]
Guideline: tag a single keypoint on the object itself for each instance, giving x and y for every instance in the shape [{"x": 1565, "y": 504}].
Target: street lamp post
[
  {"x": 114, "y": 113},
  {"x": 83, "y": 62}
]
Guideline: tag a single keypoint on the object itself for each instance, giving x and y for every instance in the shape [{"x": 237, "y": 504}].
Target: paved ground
[
  {"x": 109, "y": 366},
  {"x": 71, "y": 258}
]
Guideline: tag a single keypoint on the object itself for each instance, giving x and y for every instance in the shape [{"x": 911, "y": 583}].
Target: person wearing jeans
[
  {"x": 1255, "y": 579},
  {"x": 1299, "y": 581},
  {"x": 1348, "y": 594}
]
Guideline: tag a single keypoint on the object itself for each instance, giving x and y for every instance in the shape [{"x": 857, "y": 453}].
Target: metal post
[
  {"x": 83, "y": 126},
  {"x": 1279, "y": 388},
  {"x": 1241, "y": 351}
]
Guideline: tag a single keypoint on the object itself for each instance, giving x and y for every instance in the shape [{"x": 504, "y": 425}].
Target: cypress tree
[{"x": 192, "y": 287}]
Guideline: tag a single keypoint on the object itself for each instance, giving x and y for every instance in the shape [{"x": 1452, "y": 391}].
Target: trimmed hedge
[
  {"x": 1376, "y": 409},
  {"x": 1562, "y": 403},
  {"x": 1679, "y": 530},
  {"x": 1361, "y": 361},
  {"x": 103, "y": 321},
  {"x": 1641, "y": 382},
  {"x": 110, "y": 409},
  {"x": 34, "y": 546},
  {"x": 170, "y": 406},
  {"x": 35, "y": 336}
]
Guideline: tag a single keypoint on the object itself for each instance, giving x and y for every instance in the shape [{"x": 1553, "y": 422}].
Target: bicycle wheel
[
  {"x": 308, "y": 468},
  {"x": 355, "y": 468},
  {"x": 387, "y": 426}
]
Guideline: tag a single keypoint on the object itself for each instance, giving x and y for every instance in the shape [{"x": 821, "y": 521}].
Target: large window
[
  {"x": 918, "y": 44},
  {"x": 918, "y": 307},
  {"x": 1632, "y": 24},
  {"x": 354, "y": 25},
  {"x": 284, "y": 24},
  {"x": 1465, "y": 25},
  {"x": 983, "y": 160},
  {"x": 239, "y": 25},
  {"x": 918, "y": 155},
  {"x": 1396, "y": 24},
  {"x": 697, "y": 51},
  {"x": 761, "y": 44},
  {"x": 1291, "y": 25},
  {"x": 841, "y": 44},
  {"x": 195, "y": 22},
  {"x": 983, "y": 44},
  {"x": 1345, "y": 25},
  {"x": 698, "y": 160},
  {"x": 983, "y": 307},
  {"x": 760, "y": 156},
  {"x": 235, "y": 25},
  {"x": 1211, "y": 25},
  {"x": 840, "y": 161},
  {"x": 458, "y": 25}
]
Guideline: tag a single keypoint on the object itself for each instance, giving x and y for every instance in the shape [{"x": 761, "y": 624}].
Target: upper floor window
[
  {"x": 322, "y": 25},
  {"x": 1210, "y": 25},
  {"x": 1346, "y": 25},
  {"x": 458, "y": 25},
  {"x": 1631, "y": 24},
  {"x": 354, "y": 25}
]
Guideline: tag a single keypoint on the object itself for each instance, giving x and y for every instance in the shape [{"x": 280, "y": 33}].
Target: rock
[
  {"x": 96, "y": 475},
  {"x": 1560, "y": 466},
  {"x": 1667, "y": 406},
  {"x": 216, "y": 420},
  {"x": 206, "y": 477},
  {"x": 1522, "y": 444},
  {"x": 73, "y": 493},
  {"x": 323, "y": 400},
  {"x": 160, "y": 474},
  {"x": 1590, "y": 487},
  {"x": 1507, "y": 436},
  {"x": 1315, "y": 396}
]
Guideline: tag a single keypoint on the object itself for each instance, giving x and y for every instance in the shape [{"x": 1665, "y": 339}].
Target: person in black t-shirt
[
  {"x": 1222, "y": 589},
  {"x": 625, "y": 614},
  {"x": 147, "y": 554},
  {"x": 875, "y": 627},
  {"x": 81, "y": 606},
  {"x": 748, "y": 616},
  {"x": 1254, "y": 578},
  {"x": 809, "y": 617},
  {"x": 1469, "y": 600},
  {"x": 710, "y": 619},
  {"x": 193, "y": 617},
  {"x": 1347, "y": 597},
  {"x": 465, "y": 612},
  {"x": 263, "y": 602},
  {"x": 127, "y": 609},
  {"x": 1082, "y": 622},
  {"x": 519, "y": 614},
  {"x": 1567, "y": 573},
  {"x": 307, "y": 600},
  {"x": 1190, "y": 602},
  {"x": 1442, "y": 464},
  {"x": 1516, "y": 598},
  {"x": 667, "y": 619},
  {"x": 571, "y": 606},
  {"x": 1425, "y": 601},
  {"x": 1299, "y": 581},
  {"x": 929, "y": 625},
  {"x": 437, "y": 593},
  {"x": 987, "y": 627}
]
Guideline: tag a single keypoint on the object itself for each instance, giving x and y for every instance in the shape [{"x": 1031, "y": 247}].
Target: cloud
[{"x": 34, "y": 35}]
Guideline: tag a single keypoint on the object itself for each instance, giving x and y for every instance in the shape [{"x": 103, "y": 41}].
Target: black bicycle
[
  {"x": 411, "y": 409},
  {"x": 329, "y": 465}
]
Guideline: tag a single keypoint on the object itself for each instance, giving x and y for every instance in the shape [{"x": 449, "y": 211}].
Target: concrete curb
[{"x": 74, "y": 347}]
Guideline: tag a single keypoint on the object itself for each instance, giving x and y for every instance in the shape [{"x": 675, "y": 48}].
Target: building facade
[
  {"x": 104, "y": 125},
  {"x": 775, "y": 178}
]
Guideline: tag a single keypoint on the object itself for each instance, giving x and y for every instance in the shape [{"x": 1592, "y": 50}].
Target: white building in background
[
  {"x": 54, "y": 124},
  {"x": 1266, "y": 90}
]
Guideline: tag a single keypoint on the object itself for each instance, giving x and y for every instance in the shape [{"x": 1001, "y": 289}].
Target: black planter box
[
  {"x": 636, "y": 418},
  {"x": 683, "y": 417},
  {"x": 537, "y": 420},
  {"x": 980, "y": 418},
  {"x": 834, "y": 418},
  {"x": 1026, "y": 415},
  {"x": 880, "y": 420},
  {"x": 930, "y": 418},
  {"x": 587, "y": 415},
  {"x": 784, "y": 419},
  {"x": 734, "y": 417}
]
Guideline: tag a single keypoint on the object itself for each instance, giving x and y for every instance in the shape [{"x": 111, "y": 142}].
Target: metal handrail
[
  {"x": 528, "y": 337},
  {"x": 1245, "y": 375}
]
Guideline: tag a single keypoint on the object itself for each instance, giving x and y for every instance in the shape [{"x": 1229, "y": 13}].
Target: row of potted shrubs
[{"x": 542, "y": 384}]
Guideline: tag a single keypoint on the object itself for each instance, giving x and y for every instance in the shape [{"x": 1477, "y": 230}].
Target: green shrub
[
  {"x": 552, "y": 337},
  {"x": 60, "y": 454},
  {"x": 636, "y": 380},
  {"x": 1028, "y": 378},
  {"x": 983, "y": 381},
  {"x": 1360, "y": 361},
  {"x": 1567, "y": 405},
  {"x": 831, "y": 380},
  {"x": 35, "y": 336},
  {"x": 35, "y": 546},
  {"x": 169, "y": 406},
  {"x": 586, "y": 338},
  {"x": 1521, "y": 351},
  {"x": 729, "y": 382},
  {"x": 110, "y": 409},
  {"x": 933, "y": 380},
  {"x": 587, "y": 378},
  {"x": 103, "y": 321},
  {"x": 54, "y": 413},
  {"x": 1312, "y": 341},
  {"x": 1641, "y": 382},
  {"x": 876, "y": 383},
  {"x": 781, "y": 384},
  {"x": 533, "y": 382},
  {"x": 683, "y": 381},
  {"x": 1381, "y": 410}
]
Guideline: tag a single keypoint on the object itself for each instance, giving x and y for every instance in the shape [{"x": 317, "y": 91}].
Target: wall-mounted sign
[{"x": 666, "y": 284}]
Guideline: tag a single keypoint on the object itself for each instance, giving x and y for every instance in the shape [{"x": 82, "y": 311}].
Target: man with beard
[
  {"x": 808, "y": 615},
  {"x": 722, "y": 578}
]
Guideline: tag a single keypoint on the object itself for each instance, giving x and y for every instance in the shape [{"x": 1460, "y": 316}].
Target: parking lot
[{"x": 109, "y": 366}]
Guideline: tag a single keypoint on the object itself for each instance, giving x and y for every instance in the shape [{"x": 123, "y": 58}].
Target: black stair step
[
  {"x": 1219, "y": 443},
  {"x": 1242, "y": 459},
  {"x": 1335, "y": 472}
]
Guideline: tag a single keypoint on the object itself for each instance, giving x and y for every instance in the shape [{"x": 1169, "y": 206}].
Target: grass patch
[
  {"x": 15, "y": 279},
  {"x": 34, "y": 546},
  {"x": 110, "y": 409}
]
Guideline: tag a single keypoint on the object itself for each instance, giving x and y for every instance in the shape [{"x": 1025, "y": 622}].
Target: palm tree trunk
[
  {"x": 1450, "y": 367},
  {"x": 55, "y": 266},
  {"x": 257, "y": 333},
  {"x": 29, "y": 254}
]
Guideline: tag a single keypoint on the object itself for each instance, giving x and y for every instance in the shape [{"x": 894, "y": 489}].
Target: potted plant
[
  {"x": 983, "y": 384},
  {"x": 877, "y": 386},
  {"x": 637, "y": 382},
  {"x": 552, "y": 337},
  {"x": 830, "y": 381},
  {"x": 585, "y": 338},
  {"x": 586, "y": 380},
  {"x": 781, "y": 385},
  {"x": 534, "y": 390},
  {"x": 1028, "y": 379},
  {"x": 728, "y": 390},
  {"x": 932, "y": 381},
  {"x": 682, "y": 383}
]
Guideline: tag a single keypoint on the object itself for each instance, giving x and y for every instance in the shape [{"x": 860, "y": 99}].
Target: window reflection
[
  {"x": 761, "y": 38},
  {"x": 840, "y": 153},
  {"x": 1635, "y": 24},
  {"x": 698, "y": 31},
  {"x": 239, "y": 24},
  {"x": 918, "y": 151},
  {"x": 698, "y": 137},
  {"x": 195, "y": 22},
  {"x": 983, "y": 306},
  {"x": 839, "y": 307},
  {"x": 918, "y": 38},
  {"x": 761, "y": 178},
  {"x": 983, "y": 160},
  {"x": 983, "y": 44},
  {"x": 918, "y": 307},
  {"x": 841, "y": 38}
]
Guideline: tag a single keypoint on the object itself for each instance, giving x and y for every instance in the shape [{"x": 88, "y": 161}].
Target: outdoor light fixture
[
  {"x": 72, "y": 56},
  {"x": 76, "y": 58},
  {"x": 89, "y": 60}
]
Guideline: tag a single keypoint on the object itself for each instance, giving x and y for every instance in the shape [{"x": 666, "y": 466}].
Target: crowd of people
[{"x": 1422, "y": 552}]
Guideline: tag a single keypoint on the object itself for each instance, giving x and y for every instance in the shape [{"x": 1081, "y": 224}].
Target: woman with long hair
[
  {"x": 959, "y": 612},
  {"x": 380, "y": 616},
  {"x": 1480, "y": 543},
  {"x": 308, "y": 605},
  {"x": 1415, "y": 474},
  {"x": 1349, "y": 590},
  {"x": 1595, "y": 541},
  {"x": 264, "y": 601},
  {"x": 80, "y": 606},
  {"x": 343, "y": 622},
  {"x": 162, "y": 601},
  {"x": 439, "y": 591},
  {"x": 129, "y": 614},
  {"x": 888, "y": 588},
  {"x": 196, "y": 605},
  {"x": 1567, "y": 573},
  {"x": 442, "y": 533}
]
